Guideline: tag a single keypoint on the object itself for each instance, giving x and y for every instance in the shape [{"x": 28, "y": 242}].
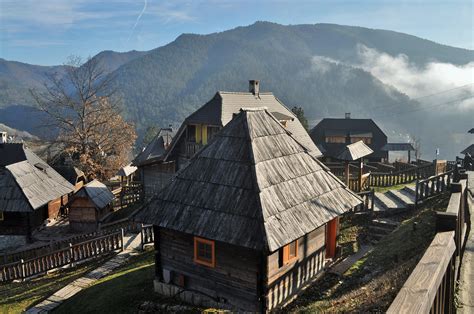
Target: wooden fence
[
  {"x": 431, "y": 286},
  {"x": 67, "y": 256},
  {"x": 125, "y": 224},
  {"x": 401, "y": 177},
  {"x": 433, "y": 185},
  {"x": 128, "y": 195},
  {"x": 367, "y": 201},
  {"x": 146, "y": 234}
]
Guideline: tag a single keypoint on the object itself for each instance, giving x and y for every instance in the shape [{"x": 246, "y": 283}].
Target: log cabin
[
  {"x": 89, "y": 205},
  {"x": 152, "y": 170},
  {"x": 72, "y": 174},
  {"x": 249, "y": 221},
  {"x": 31, "y": 192},
  {"x": 331, "y": 135},
  {"x": 204, "y": 124}
]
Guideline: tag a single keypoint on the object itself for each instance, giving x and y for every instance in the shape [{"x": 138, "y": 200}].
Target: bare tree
[{"x": 83, "y": 106}]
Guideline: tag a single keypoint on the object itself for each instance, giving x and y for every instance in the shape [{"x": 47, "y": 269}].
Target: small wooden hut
[
  {"x": 249, "y": 221},
  {"x": 90, "y": 204},
  {"x": 126, "y": 174},
  {"x": 30, "y": 193}
]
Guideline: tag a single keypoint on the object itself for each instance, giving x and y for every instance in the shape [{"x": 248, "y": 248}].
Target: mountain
[{"x": 312, "y": 66}]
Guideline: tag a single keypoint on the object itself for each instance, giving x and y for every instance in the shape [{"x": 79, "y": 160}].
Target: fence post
[
  {"x": 416, "y": 193},
  {"x": 141, "y": 237},
  {"x": 23, "y": 271},
  {"x": 121, "y": 238},
  {"x": 71, "y": 255}
]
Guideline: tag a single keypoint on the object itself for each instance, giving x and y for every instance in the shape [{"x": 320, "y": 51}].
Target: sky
[{"x": 46, "y": 32}]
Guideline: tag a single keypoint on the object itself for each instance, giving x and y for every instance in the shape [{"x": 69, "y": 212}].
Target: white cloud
[
  {"x": 322, "y": 64},
  {"x": 417, "y": 82}
]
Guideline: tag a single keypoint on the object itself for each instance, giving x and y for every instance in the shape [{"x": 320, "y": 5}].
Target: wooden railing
[
  {"x": 401, "y": 177},
  {"x": 128, "y": 195},
  {"x": 432, "y": 186},
  {"x": 192, "y": 148},
  {"x": 104, "y": 229},
  {"x": 67, "y": 256},
  {"x": 431, "y": 286},
  {"x": 354, "y": 183},
  {"x": 146, "y": 234},
  {"x": 367, "y": 202}
]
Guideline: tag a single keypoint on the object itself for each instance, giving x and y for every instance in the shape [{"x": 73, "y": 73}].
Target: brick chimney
[
  {"x": 348, "y": 115},
  {"x": 254, "y": 87}
]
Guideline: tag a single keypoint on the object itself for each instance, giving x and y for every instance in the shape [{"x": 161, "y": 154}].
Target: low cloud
[
  {"x": 456, "y": 82},
  {"x": 322, "y": 64}
]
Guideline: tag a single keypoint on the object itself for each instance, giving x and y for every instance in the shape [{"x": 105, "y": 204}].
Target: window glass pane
[{"x": 204, "y": 251}]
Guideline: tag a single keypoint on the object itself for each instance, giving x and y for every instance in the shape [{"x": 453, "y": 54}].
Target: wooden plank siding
[
  {"x": 156, "y": 176},
  {"x": 286, "y": 281},
  {"x": 234, "y": 278}
]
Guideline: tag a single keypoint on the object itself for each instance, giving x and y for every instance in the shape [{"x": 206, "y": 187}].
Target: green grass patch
[
  {"x": 383, "y": 189},
  {"x": 121, "y": 292},
  {"x": 16, "y": 297}
]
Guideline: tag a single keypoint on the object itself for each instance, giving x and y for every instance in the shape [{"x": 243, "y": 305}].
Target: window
[
  {"x": 366, "y": 140},
  {"x": 284, "y": 123},
  {"x": 289, "y": 253},
  {"x": 335, "y": 139},
  {"x": 1, "y": 216},
  {"x": 204, "y": 252}
]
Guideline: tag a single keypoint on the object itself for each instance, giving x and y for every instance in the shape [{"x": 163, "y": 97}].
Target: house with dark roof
[
  {"x": 332, "y": 135},
  {"x": 249, "y": 221},
  {"x": 30, "y": 192},
  {"x": 204, "y": 124},
  {"x": 89, "y": 205},
  {"x": 152, "y": 170}
]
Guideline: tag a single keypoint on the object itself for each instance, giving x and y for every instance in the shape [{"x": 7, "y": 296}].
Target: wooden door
[{"x": 331, "y": 238}]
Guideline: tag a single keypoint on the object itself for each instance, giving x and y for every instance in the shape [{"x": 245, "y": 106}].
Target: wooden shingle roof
[
  {"x": 224, "y": 105},
  {"x": 355, "y": 151},
  {"x": 398, "y": 147},
  {"x": 29, "y": 183},
  {"x": 154, "y": 151},
  {"x": 98, "y": 193},
  {"x": 469, "y": 149},
  {"x": 255, "y": 185}
]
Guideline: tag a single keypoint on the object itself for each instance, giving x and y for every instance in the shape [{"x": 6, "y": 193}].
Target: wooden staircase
[{"x": 393, "y": 202}]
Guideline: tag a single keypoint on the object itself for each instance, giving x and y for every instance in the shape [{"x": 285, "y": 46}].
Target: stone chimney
[
  {"x": 348, "y": 115},
  {"x": 254, "y": 87},
  {"x": 3, "y": 137}
]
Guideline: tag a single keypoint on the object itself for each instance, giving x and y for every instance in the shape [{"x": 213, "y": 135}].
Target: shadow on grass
[
  {"x": 15, "y": 297},
  {"x": 121, "y": 292}
]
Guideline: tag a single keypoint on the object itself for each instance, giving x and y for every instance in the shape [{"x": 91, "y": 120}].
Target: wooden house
[
  {"x": 331, "y": 136},
  {"x": 72, "y": 174},
  {"x": 249, "y": 221},
  {"x": 204, "y": 124},
  {"x": 152, "y": 170},
  {"x": 126, "y": 174},
  {"x": 30, "y": 192},
  {"x": 90, "y": 204}
]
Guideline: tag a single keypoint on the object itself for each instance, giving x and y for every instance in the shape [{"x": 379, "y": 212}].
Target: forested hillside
[{"x": 312, "y": 66}]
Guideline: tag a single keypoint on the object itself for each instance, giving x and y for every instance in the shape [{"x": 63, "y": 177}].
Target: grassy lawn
[
  {"x": 16, "y": 297},
  {"x": 372, "y": 283},
  {"x": 121, "y": 292},
  {"x": 383, "y": 189}
]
